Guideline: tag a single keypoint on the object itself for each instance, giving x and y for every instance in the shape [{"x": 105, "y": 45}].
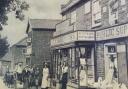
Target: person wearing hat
[
  {"x": 45, "y": 81},
  {"x": 26, "y": 74}
]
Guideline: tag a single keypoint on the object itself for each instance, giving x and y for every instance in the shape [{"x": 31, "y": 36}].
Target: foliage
[
  {"x": 3, "y": 46},
  {"x": 16, "y": 6}
]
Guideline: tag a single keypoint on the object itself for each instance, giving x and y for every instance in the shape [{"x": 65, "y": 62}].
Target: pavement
[{"x": 2, "y": 85}]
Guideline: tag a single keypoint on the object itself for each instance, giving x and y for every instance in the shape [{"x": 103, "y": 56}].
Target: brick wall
[{"x": 41, "y": 46}]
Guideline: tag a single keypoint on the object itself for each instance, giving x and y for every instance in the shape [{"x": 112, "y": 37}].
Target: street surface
[{"x": 2, "y": 85}]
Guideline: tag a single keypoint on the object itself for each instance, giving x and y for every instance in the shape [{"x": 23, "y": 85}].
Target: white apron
[{"x": 45, "y": 81}]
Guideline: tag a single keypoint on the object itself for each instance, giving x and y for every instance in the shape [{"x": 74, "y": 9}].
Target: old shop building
[
  {"x": 93, "y": 34},
  {"x": 39, "y": 33}
]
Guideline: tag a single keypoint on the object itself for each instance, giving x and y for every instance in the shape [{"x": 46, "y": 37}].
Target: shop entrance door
[
  {"x": 86, "y": 69},
  {"x": 110, "y": 59}
]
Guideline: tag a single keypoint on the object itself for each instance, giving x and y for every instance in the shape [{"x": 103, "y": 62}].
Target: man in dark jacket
[{"x": 26, "y": 74}]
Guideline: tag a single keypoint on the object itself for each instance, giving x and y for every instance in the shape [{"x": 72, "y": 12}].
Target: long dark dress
[
  {"x": 64, "y": 80},
  {"x": 26, "y": 74}
]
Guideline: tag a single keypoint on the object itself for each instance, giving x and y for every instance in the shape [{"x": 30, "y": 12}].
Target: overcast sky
[{"x": 39, "y": 9}]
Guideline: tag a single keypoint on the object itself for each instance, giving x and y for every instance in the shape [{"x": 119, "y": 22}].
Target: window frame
[
  {"x": 96, "y": 12},
  {"x": 113, "y": 15}
]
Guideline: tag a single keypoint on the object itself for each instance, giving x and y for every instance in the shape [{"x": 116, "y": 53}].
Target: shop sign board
[
  {"x": 63, "y": 39},
  {"x": 86, "y": 35},
  {"x": 113, "y": 32},
  {"x": 72, "y": 37}
]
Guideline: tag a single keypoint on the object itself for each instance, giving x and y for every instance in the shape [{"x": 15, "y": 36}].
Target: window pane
[
  {"x": 96, "y": 13},
  {"x": 113, "y": 12}
]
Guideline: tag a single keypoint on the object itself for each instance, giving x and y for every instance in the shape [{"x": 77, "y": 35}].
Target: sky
[{"x": 39, "y": 9}]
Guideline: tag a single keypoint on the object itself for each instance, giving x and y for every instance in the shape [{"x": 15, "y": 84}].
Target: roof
[
  {"x": 70, "y": 4},
  {"x": 7, "y": 57},
  {"x": 22, "y": 42},
  {"x": 42, "y": 23}
]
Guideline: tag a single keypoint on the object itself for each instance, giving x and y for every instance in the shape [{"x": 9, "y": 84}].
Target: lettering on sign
[
  {"x": 86, "y": 35},
  {"x": 74, "y": 36},
  {"x": 68, "y": 38},
  {"x": 111, "y": 33}
]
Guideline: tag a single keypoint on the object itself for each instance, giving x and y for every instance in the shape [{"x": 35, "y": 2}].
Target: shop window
[
  {"x": 86, "y": 68},
  {"x": 87, "y": 7},
  {"x": 73, "y": 17},
  {"x": 73, "y": 64},
  {"x": 113, "y": 12},
  {"x": 96, "y": 13}
]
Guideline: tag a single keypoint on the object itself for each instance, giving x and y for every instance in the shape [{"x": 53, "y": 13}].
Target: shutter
[{"x": 122, "y": 64}]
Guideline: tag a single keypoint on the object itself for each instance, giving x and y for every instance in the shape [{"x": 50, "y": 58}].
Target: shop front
[
  {"x": 116, "y": 62},
  {"x": 115, "y": 49},
  {"x": 79, "y": 56},
  {"x": 92, "y": 56},
  {"x": 80, "y": 60}
]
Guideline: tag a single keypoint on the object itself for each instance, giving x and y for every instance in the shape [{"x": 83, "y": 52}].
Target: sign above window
[{"x": 111, "y": 33}]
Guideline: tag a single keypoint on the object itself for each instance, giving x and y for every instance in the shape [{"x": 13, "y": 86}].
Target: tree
[
  {"x": 3, "y": 46},
  {"x": 16, "y": 6}
]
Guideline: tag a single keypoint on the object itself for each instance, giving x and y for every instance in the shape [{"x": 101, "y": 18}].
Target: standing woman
[{"x": 45, "y": 81}]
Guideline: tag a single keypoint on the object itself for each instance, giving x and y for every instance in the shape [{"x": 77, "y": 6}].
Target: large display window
[{"x": 80, "y": 62}]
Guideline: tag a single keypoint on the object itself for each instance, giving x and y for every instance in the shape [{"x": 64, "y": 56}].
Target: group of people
[
  {"x": 29, "y": 77},
  {"x": 9, "y": 79}
]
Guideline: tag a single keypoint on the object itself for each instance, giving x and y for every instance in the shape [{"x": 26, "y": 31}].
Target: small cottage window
[
  {"x": 87, "y": 7},
  {"x": 73, "y": 17}
]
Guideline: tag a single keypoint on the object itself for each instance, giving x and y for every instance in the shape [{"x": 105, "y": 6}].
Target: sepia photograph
[{"x": 63, "y": 44}]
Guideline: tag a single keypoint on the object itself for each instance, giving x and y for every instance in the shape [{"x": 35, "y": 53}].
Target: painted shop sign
[
  {"x": 86, "y": 35},
  {"x": 71, "y": 37},
  {"x": 111, "y": 33},
  {"x": 74, "y": 36}
]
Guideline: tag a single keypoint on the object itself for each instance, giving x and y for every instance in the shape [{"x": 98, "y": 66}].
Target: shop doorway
[
  {"x": 86, "y": 67},
  {"x": 110, "y": 60}
]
